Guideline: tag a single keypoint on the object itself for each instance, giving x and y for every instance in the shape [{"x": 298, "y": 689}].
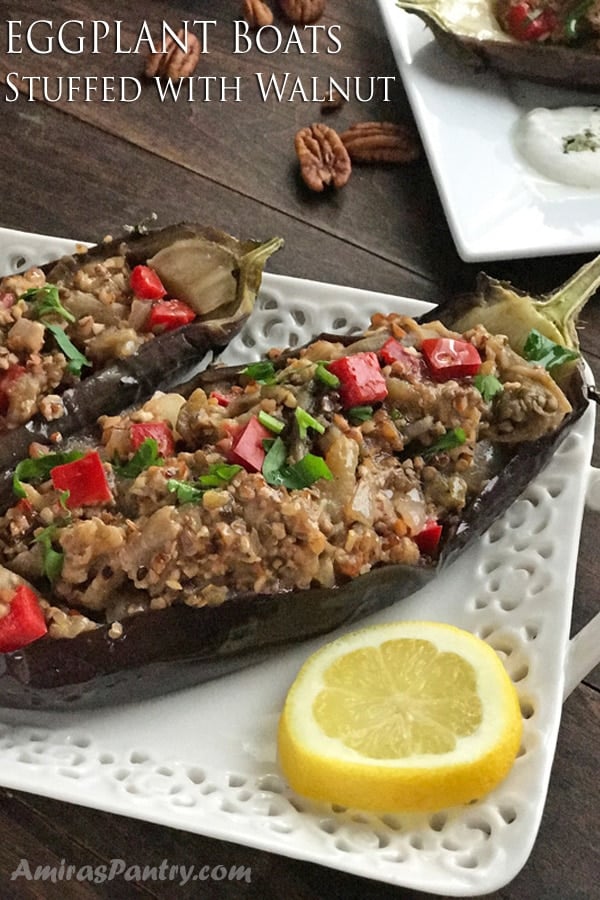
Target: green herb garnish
[
  {"x": 146, "y": 455},
  {"x": 218, "y": 475},
  {"x": 63, "y": 497},
  {"x": 453, "y": 438},
  {"x": 540, "y": 349},
  {"x": 581, "y": 142},
  {"x": 306, "y": 421},
  {"x": 186, "y": 491},
  {"x": 274, "y": 461},
  {"x": 575, "y": 21},
  {"x": 263, "y": 372},
  {"x": 270, "y": 422},
  {"x": 310, "y": 469},
  {"x": 39, "y": 469},
  {"x": 358, "y": 414},
  {"x": 295, "y": 476},
  {"x": 52, "y": 560},
  {"x": 76, "y": 359},
  {"x": 323, "y": 374},
  {"x": 488, "y": 386},
  {"x": 45, "y": 301}
]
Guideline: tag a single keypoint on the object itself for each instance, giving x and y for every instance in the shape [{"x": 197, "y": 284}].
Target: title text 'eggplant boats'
[
  {"x": 265, "y": 504},
  {"x": 550, "y": 42}
]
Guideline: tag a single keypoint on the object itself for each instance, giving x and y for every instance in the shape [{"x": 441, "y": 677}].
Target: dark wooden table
[{"x": 83, "y": 169}]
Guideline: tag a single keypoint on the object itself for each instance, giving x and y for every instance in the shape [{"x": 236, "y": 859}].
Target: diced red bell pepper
[
  {"x": 146, "y": 284},
  {"x": 7, "y": 379},
  {"x": 7, "y": 299},
  {"x": 24, "y": 621},
  {"x": 450, "y": 358},
  {"x": 159, "y": 431},
  {"x": 84, "y": 479},
  {"x": 361, "y": 379},
  {"x": 23, "y": 507},
  {"x": 527, "y": 23},
  {"x": 166, "y": 315},
  {"x": 428, "y": 539},
  {"x": 393, "y": 352},
  {"x": 247, "y": 449},
  {"x": 222, "y": 399}
]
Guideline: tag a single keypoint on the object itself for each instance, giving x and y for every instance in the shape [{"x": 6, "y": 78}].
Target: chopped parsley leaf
[
  {"x": 294, "y": 476},
  {"x": 453, "y": 438},
  {"x": 76, "y": 359},
  {"x": 488, "y": 386},
  {"x": 358, "y": 414},
  {"x": 540, "y": 349},
  {"x": 45, "y": 301},
  {"x": 263, "y": 372},
  {"x": 145, "y": 456},
  {"x": 52, "y": 560},
  {"x": 39, "y": 469},
  {"x": 192, "y": 491}
]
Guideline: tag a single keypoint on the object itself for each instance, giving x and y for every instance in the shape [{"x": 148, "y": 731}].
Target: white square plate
[
  {"x": 496, "y": 206},
  {"x": 204, "y": 760}
]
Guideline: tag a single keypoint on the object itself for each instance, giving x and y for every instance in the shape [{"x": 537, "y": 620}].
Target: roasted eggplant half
[
  {"x": 262, "y": 505},
  {"x": 508, "y": 37},
  {"x": 101, "y": 329}
]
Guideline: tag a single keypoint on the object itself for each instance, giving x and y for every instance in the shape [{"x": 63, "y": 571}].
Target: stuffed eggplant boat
[
  {"x": 266, "y": 504},
  {"x": 550, "y": 42},
  {"x": 101, "y": 329}
]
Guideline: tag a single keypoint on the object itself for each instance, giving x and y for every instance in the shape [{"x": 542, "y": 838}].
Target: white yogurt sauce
[{"x": 562, "y": 144}]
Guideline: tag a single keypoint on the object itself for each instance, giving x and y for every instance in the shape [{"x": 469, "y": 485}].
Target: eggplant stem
[
  {"x": 261, "y": 253},
  {"x": 563, "y": 305}
]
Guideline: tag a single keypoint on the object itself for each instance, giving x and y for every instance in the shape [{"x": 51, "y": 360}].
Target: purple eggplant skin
[
  {"x": 159, "y": 364},
  {"x": 167, "y": 650},
  {"x": 520, "y": 469},
  {"x": 560, "y": 65},
  {"x": 556, "y": 65}
]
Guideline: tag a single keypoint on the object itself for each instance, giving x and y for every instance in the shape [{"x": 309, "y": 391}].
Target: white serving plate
[
  {"x": 204, "y": 760},
  {"x": 497, "y": 207}
]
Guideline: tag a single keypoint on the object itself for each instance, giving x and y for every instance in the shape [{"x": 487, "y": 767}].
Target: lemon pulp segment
[{"x": 400, "y": 699}]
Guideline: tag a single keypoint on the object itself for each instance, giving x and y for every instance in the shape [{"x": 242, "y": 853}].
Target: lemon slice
[{"x": 409, "y": 716}]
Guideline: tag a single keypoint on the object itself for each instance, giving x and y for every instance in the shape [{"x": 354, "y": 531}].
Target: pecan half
[
  {"x": 257, "y": 13},
  {"x": 374, "y": 142},
  {"x": 324, "y": 160},
  {"x": 174, "y": 63},
  {"x": 302, "y": 12}
]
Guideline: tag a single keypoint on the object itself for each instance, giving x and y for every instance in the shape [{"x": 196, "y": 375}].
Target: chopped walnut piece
[{"x": 51, "y": 407}]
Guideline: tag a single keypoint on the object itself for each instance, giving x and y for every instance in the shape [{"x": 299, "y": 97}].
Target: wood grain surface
[{"x": 84, "y": 169}]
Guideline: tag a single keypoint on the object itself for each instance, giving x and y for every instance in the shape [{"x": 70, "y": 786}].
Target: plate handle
[{"x": 584, "y": 648}]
